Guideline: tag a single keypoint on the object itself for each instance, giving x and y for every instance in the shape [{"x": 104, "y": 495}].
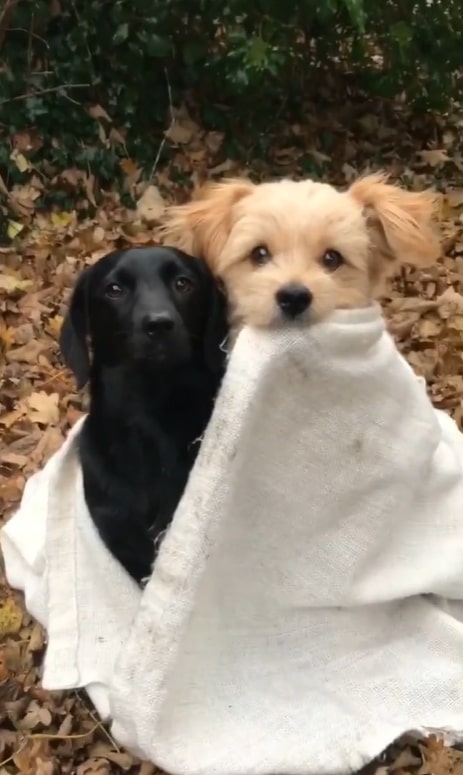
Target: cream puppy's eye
[
  {"x": 332, "y": 260},
  {"x": 260, "y": 255}
]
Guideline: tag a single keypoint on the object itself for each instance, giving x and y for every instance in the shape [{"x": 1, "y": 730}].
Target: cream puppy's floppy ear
[
  {"x": 201, "y": 227},
  {"x": 402, "y": 222}
]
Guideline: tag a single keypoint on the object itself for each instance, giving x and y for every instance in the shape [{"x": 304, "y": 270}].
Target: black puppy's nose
[
  {"x": 157, "y": 323},
  {"x": 293, "y": 299}
]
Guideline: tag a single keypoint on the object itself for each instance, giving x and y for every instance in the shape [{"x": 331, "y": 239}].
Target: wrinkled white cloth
[{"x": 306, "y": 605}]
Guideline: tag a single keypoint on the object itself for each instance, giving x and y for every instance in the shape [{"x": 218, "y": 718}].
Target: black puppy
[{"x": 156, "y": 321}]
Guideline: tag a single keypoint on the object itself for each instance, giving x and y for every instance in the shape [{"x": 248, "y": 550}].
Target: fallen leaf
[
  {"x": 13, "y": 459},
  {"x": 61, "y": 219},
  {"x": 94, "y": 767},
  {"x": 102, "y": 749},
  {"x": 28, "y": 755},
  {"x": 10, "y": 283},
  {"x": 43, "y": 408},
  {"x": 429, "y": 328},
  {"x": 7, "y": 336},
  {"x": 10, "y": 418},
  {"x": 151, "y": 206},
  {"x": 90, "y": 189},
  {"x": 28, "y": 353},
  {"x": 434, "y": 157},
  {"x": 454, "y": 198},
  {"x": 11, "y": 617},
  {"x": 36, "y": 715},
  {"x": 20, "y": 160},
  {"x": 116, "y": 137},
  {"x": 36, "y": 639},
  {"x": 178, "y": 134},
  {"x": 13, "y": 229},
  {"x": 96, "y": 112}
]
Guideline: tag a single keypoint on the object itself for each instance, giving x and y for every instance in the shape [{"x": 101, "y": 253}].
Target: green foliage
[{"x": 238, "y": 61}]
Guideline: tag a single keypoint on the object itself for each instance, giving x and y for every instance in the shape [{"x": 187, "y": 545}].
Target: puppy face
[
  {"x": 299, "y": 250},
  {"x": 153, "y": 306}
]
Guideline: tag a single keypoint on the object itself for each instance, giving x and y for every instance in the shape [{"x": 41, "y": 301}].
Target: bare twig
[
  {"x": 47, "y": 91},
  {"x": 172, "y": 122},
  {"x": 34, "y": 35},
  {"x": 29, "y": 42},
  {"x": 6, "y": 15}
]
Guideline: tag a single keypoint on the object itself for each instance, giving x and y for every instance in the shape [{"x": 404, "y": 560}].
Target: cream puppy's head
[{"x": 298, "y": 250}]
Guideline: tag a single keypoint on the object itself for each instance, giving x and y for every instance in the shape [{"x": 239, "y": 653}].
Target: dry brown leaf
[
  {"x": 146, "y": 768},
  {"x": 429, "y": 329},
  {"x": 10, "y": 283},
  {"x": 43, "y": 408},
  {"x": 20, "y": 160},
  {"x": 90, "y": 188},
  {"x": 450, "y": 303},
  {"x": 36, "y": 638},
  {"x": 28, "y": 353},
  {"x": 213, "y": 141},
  {"x": 454, "y": 198},
  {"x": 30, "y": 754},
  {"x": 434, "y": 157},
  {"x": 116, "y": 137},
  {"x": 94, "y": 767},
  {"x": 65, "y": 727},
  {"x": 11, "y": 616},
  {"x": 36, "y": 716},
  {"x": 104, "y": 750},
  {"x": 10, "y": 418},
  {"x": 13, "y": 458},
  {"x": 151, "y": 205},
  {"x": 179, "y": 134},
  {"x": 96, "y": 112}
]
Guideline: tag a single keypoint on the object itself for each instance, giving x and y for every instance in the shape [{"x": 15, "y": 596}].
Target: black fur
[{"x": 155, "y": 320}]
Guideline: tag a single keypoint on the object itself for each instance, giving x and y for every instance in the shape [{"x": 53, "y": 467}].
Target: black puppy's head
[{"x": 155, "y": 306}]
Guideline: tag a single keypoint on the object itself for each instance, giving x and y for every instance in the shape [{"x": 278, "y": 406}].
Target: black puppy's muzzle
[
  {"x": 157, "y": 324},
  {"x": 293, "y": 299},
  {"x": 160, "y": 336}
]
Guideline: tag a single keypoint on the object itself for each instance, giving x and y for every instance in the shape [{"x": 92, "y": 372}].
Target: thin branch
[
  {"x": 28, "y": 32},
  {"x": 6, "y": 15},
  {"x": 47, "y": 91},
  {"x": 172, "y": 122}
]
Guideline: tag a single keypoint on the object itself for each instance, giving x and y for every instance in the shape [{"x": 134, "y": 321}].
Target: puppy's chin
[
  {"x": 161, "y": 354},
  {"x": 267, "y": 314}
]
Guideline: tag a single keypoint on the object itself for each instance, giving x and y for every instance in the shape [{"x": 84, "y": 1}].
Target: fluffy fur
[
  {"x": 373, "y": 225},
  {"x": 155, "y": 320}
]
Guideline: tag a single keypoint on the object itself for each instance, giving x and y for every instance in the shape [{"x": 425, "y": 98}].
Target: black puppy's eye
[
  {"x": 260, "y": 255},
  {"x": 114, "y": 291},
  {"x": 183, "y": 285},
  {"x": 332, "y": 260}
]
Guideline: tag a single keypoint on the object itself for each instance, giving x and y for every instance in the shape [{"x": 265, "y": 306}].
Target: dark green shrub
[{"x": 238, "y": 60}]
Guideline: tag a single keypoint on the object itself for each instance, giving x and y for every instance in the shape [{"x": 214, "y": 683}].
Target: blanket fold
[{"x": 305, "y": 608}]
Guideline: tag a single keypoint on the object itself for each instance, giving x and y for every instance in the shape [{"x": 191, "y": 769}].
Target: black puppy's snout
[
  {"x": 293, "y": 299},
  {"x": 157, "y": 323}
]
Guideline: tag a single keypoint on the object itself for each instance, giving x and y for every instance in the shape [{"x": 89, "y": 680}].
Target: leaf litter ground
[{"x": 43, "y": 733}]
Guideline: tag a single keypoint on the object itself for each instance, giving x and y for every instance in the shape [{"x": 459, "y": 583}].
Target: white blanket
[{"x": 306, "y": 604}]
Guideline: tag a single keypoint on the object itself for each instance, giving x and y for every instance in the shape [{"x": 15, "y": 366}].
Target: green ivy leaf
[
  {"x": 121, "y": 34},
  {"x": 257, "y": 54},
  {"x": 401, "y": 33},
  {"x": 157, "y": 46}
]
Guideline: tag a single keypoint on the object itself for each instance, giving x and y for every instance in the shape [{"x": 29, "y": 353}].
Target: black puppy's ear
[
  {"x": 74, "y": 332},
  {"x": 216, "y": 330}
]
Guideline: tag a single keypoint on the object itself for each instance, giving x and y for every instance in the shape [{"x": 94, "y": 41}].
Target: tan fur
[{"x": 373, "y": 225}]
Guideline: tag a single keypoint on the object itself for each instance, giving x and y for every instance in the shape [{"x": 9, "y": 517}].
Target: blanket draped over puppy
[{"x": 306, "y": 605}]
